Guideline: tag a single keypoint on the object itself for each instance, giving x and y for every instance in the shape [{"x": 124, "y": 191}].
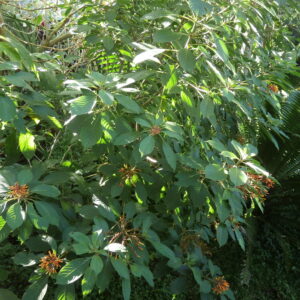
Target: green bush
[{"x": 130, "y": 140}]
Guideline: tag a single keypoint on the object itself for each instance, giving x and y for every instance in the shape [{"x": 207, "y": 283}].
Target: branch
[
  {"x": 60, "y": 26},
  {"x": 59, "y": 39}
]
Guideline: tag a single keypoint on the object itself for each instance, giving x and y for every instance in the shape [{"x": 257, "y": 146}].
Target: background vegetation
[{"x": 149, "y": 149}]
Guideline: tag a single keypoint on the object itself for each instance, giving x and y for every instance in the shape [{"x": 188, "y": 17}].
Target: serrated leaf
[
  {"x": 222, "y": 50},
  {"x": 24, "y": 176},
  {"x": 106, "y": 97},
  {"x": 37, "y": 221},
  {"x": 156, "y": 14},
  {"x": 148, "y": 55},
  {"x": 48, "y": 212},
  {"x": 46, "y": 190},
  {"x": 169, "y": 155},
  {"x": 215, "y": 172},
  {"x": 222, "y": 235},
  {"x": 147, "y": 145},
  {"x": 104, "y": 210},
  {"x": 7, "y": 109},
  {"x": 66, "y": 292},
  {"x": 82, "y": 105},
  {"x": 187, "y": 60},
  {"x": 72, "y": 271},
  {"x": 125, "y": 138},
  {"x": 129, "y": 104},
  {"x": 96, "y": 264},
  {"x": 88, "y": 282},
  {"x": 237, "y": 176},
  {"x": 207, "y": 108},
  {"x": 121, "y": 267},
  {"x": 80, "y": 238},
  {"x": 25, "y": 259},
  {"x": 126, "y": 288},
  {"x": 15, "y": 216},
  {"x": 199, "y": 7},
  {"x": 90, "y": 131},
  {"x": 27, "y": 144},
  {"x": 165, "y": 36},
  {"x": 37, "y": 290},
  {"x": 229, "y": 154},
  {"x": 163, "y": 250}
]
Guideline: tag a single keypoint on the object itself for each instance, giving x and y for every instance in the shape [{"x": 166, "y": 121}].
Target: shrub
[{"x": 149, "y": 165}]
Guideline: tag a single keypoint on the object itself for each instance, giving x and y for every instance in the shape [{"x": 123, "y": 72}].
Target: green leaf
[
  {"x": 205, "y": 286},
  {"x": 165, "y": 36},
  {"x": 15, "y": 216},
  {"x": 215, "y": 172},
  {"x": 207, "y": 108},
  {"x": 216, "y": 144},
  {"x": 157, "y": 14},
  {"x": 80, "y": 238},
  {"x": 57, "y": 177},
  {"x": 27, "y": 144},
  {"x": 104, "y": 210},
  {"x": 171, "y": 79},
  {"x": 7, "y": 295},
  {"x": 88, "y": 282},
  {"x": 48, "y": 212},
  {"x": 126, "y": 288},
  {"x": 169, "y": 155},
  {"x": 24, "y": 176},
  {"x": 65, "y": 292},
  {"x": 199, "y": 7},
  {"x": 36, "y": 219},
  {"x": 222, "y": 235},
  {"x": 148, "y": 55},
  {"x": 147, "y": 145},
  {"x": 4, "y": 233},
  {"x": 121, "y": 267},
  {"x": 187, "y": 60},
  {"x": 82, "y": 105},
  {"x": 229, "y": 154},
  {"x": 2, "y": 222},
  {"x": 216, "y": 71},
  {"x": 72, "y": 271},
  {"x": 147, "y": 274},
  {"x": 129, "y": 104},
  {"x": 163, "y": 250},
  {"x": 125, "y": 138},
  {"x": 20, "y": 79},
  {"x": 25, "y": 259},
  {"x": 240, "y": 239},
  {"x": 83, "y": 243},
  {"x": 7, "y": 109},
  {"x": 257, "y": 168},
  {"x": 106, "y": 97},
  {"x": 187, "y": 100},
  {"x": 46, "y": 190},
  {"x": 108, "y": 43},
  {"x": 80, "y": 249},
  {"x": 90, "y": 131},
  {"x": 237, "y": 176},
  {"x": 37, "y": 290},
  {"x": 197, "y": 274},
  {"x": 222, "y": 50},
  {"x": 96, "y": 264}
]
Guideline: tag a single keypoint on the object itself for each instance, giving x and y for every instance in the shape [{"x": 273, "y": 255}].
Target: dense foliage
[{"x": 129, "y": 137}]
